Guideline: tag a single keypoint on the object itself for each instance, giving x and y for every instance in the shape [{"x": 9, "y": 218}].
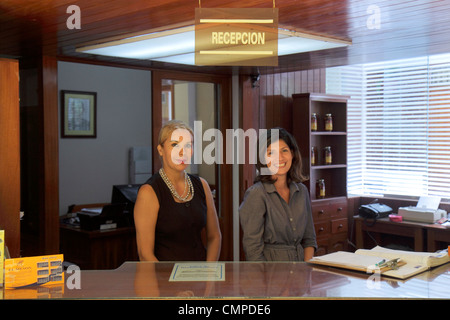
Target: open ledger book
[{"x": 410, "y": 263}]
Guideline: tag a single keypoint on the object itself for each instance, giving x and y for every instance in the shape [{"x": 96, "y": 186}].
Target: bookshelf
[{"x": 330, "y": 210}]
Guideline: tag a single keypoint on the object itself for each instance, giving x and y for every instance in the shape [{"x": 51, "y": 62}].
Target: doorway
[{"x": 199, "y": 99}]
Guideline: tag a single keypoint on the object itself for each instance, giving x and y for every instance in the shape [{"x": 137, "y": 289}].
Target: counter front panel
[{"x": 242, "y": 280}]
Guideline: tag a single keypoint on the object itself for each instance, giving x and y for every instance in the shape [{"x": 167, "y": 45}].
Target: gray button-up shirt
[{"x": 274, "y": 230}]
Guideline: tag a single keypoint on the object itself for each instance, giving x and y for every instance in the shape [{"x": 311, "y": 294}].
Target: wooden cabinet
[
  {"x": 99, "y": 249},
  {"x": 330, "y": 210}
]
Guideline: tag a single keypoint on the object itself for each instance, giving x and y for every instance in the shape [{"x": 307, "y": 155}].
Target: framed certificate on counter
[{"x": 198, "y": 271}]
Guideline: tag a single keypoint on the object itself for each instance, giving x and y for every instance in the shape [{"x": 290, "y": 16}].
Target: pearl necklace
[{"x": 187, "y": 184}]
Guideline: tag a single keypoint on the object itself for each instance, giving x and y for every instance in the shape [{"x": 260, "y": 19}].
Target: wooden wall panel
[
  {"x": 276, "y": 90},
  {"x": 268, "y": 103},
  {"x": 49, "y": 216},
  {"x": 10, "y": 154}
]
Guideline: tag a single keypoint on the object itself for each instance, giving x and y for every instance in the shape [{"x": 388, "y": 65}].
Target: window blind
[
  {"x": 348, "y": 81},
  {"x": 398, "y": 126}
]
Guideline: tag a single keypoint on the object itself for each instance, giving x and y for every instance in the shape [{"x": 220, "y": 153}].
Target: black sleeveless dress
[{"x": 179, "y": 225}]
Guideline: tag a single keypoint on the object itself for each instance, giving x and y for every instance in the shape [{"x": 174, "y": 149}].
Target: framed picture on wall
[{"x": 78, "y": 114}]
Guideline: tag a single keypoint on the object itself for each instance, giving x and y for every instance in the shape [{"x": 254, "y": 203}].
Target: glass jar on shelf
[
  {"x": 320, "y": 189},
  {"x": 314, "y": 122},
  {"x": 313, "y": 156},
  {"x": 327, "y": 155},
  {"x": 328, "y": 122}
]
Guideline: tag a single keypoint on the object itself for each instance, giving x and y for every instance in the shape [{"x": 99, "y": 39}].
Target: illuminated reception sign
[{"x": 236, "y": 37}]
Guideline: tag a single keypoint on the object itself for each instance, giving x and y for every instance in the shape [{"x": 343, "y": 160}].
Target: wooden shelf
[
  {"x": 328, "y": 166},
  {"x": 328, "y": 133},
  {"x": 329, "y": 213}
]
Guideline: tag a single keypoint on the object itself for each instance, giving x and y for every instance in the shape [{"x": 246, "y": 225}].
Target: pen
[{"x": 380, "y": 263}]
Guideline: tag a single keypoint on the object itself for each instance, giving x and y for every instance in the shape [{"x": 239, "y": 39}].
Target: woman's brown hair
[{"x": 295, "y": 172}]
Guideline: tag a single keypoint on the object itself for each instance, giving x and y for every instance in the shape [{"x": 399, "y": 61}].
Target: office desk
[
  {"x": 427, "y": 236},
  {"x": 436, "y": 234},
  {"x": 409, "y": 229},
  {"x": 275, "y": 280}
]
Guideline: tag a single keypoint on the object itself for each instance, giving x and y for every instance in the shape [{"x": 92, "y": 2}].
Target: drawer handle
[
  {"x": 321, "y": 211},
  {"x": 339, "y": 209},
  {"x": 340, "y": 226},
  {"x": 321, "y": 229}
]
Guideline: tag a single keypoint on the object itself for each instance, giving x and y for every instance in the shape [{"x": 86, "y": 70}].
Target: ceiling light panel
[{"x": 178, "y": 45}]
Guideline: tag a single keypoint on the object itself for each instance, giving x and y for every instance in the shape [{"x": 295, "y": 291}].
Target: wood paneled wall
[
  {"x": 10, "y": 154},
  {"x": 275, "y": 95},
  {"x": 267, "y": 103}
]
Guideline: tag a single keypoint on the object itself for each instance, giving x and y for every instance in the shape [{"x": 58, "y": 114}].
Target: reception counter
[{"x": 239, "y": 280}]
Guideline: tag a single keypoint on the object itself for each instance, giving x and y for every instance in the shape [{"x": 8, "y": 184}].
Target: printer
[
  {"x": 426, "y": 211},
  {"x": 110, "y": 216}
]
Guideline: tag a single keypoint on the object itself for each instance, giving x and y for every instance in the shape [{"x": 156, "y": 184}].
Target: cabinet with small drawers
[{"x": 331, "y": 224}]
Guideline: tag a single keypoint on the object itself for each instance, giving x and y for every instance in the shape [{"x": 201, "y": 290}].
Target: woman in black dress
[{"x": 173, "y": 207}]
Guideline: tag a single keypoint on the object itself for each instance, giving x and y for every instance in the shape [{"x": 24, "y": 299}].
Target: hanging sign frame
[{"x": 236, "y": 37}]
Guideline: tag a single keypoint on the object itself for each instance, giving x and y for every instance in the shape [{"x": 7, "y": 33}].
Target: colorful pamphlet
[{"x": 39, "y": 270}]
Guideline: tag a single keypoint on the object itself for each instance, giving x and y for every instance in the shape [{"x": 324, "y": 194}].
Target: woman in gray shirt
[{"x": 275, "y": 215}]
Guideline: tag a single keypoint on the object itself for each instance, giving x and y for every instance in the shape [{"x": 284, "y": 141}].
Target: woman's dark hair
[{"x": 295, "y": 172}]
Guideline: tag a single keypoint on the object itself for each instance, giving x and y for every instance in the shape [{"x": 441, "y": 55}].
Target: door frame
[{"x": 225, "y": 117}]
